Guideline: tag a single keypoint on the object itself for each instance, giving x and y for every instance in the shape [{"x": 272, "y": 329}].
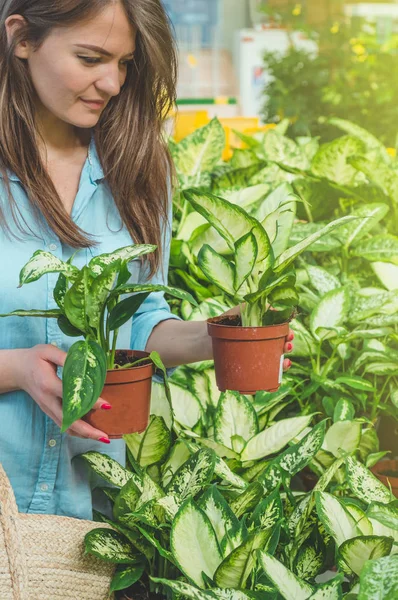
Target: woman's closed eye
[{"x": 91, "y": 60}]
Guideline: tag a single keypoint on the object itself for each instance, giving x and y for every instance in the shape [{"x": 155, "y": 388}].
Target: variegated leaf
[
  {"x": 193, "y": 475},
  {"x": 194, "y": 543},
  {"x": 83, "y": 379},
  {"x": 42, "y": 263},
  {"x": 364, "y": 484},
  {"x": 235, "y": 416},
  {"x": 109, "y": 469},
  {"x": 125, "y": 254},
  {"x": 111, "y": 546},
  {"x": 289, "y": 586}
]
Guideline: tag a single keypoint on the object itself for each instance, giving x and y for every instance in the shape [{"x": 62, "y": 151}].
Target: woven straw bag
[{"x": 42, "y": 556}]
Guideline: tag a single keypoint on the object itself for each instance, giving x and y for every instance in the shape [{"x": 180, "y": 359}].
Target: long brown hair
[{"x": 129, "y": 136}]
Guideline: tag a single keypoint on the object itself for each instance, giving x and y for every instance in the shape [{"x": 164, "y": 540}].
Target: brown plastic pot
[
  {"x": 247, "y": 359},
  {"x": 129, "y": 393},
  {"x": 386, "y": 471}
]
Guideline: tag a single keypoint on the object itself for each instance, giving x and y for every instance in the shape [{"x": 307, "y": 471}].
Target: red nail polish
[
  {"x": 289, "y": 363},
  {"x": 106, "y": 407},
  {"x": 290, "y": 347},
  {"x": 104, "y": 440}
]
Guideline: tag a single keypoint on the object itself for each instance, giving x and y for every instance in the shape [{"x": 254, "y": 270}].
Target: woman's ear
[{"x": 13, "y": 24}]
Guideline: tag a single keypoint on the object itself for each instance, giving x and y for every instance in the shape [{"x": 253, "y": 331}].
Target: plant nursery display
[
  {"x": 211, "y": 508},
  {"x": 92, "y": 304},
  {"x": 346, "y": 280}
]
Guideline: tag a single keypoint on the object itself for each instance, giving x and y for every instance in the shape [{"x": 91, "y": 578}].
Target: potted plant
[
  {"x": 254, "y": 268},
  {"x": 92, "y": 304}
]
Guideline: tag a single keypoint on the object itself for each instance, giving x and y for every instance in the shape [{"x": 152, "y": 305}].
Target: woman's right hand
[{"x": 37, "y": 375}]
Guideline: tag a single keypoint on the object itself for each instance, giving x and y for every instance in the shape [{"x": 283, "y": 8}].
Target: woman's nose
[{"x": 111, "y": 82}]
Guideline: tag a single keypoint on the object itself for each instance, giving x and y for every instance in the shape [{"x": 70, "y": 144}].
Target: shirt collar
[{"x": 95, "y": 169}]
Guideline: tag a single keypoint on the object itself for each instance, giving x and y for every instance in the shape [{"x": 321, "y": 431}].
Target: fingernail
[
  {"x": 290, "y": 347},
  {"x": 289, "y": 363},
  {"x": 104, "y": 440},
  {"x": 106, "y": 407}
]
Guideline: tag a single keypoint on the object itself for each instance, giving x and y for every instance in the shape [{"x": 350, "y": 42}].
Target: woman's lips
[{"x": 94, "y": 104}]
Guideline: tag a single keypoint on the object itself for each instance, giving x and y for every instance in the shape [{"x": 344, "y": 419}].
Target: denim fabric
[{"x": 39, "y": 461}]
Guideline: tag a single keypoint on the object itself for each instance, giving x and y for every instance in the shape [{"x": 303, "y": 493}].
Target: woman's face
[{"x": 75, "y": 82}]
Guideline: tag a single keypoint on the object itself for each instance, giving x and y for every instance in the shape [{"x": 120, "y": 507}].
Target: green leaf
[
  {"x": 124, "y": 310},
  {"x": 218, "y": 511},
  {"x": 367, "y": 216},
  {"x": 288, "y": 585},
  {"x": 287, "y": 257},
  {"x": 60, "y": 290},
  {"x": 343, "y": 436},
  {"x": 378, "y": 172},
  {"x": 186, "y": 406},
  {"x": 309, "y": 562},
  {"x": 83, "y": 379},
  {"x": 371, "y": 142},
  {"x": 126, "y": 254},
  {"x": 379, "y": 579},
  {"x": 344, "y": 410},
  {"x": 200, "y": 151},
  {"x": 357, "y": 383},
  {"x": 179, "y": 454},
  {"x": 331, "y": 160},
  {"x": 335, "y": 518},
  {"x": 247, "y": 500},
  {"x": 274, "y": 438},
  {"x": 107, "y": 468},
  {"x": 151, "y": 446},
  {"x": 42, "y": 263},
  {"x": 357, "y": 551},
  {"x": 125, "y": 577},
  {"x": 54, "y": 313},
  {"x": 321, "y": 279},
  {"x": 383, "y": 248},
  {"x": 387, "y": 514},
  {"x": 330, "y": 590},
  {"x": 235, "y": 415},
  {"x": 67, "y": 328},
  {"x": 193, "y": 476},
  {"x": 77, "y": 300},
  {"x": 235, "y": 569},
  {"x": 184, "y": 590},
  {"x": 110, "y": 546},
  {"x": 231, "y": 222},
  {"x": 99, "y": 291},
  {"x": 140, "y": 288},
  {"x": 364, "y": 484},
  {"x": 194, "y": 543},
  {"x": 331, "y": 311},
  {"x": 245, "y": 258},
  {"x": 299, "y": 455},
  {"x": 217, "y": 269},
  {"x": 269, "y": 512}
]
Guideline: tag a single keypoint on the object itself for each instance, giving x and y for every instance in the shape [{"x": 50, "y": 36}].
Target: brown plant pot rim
[
  {"x": 136, "y": 373},
  {"x": 217, "y": 327}
]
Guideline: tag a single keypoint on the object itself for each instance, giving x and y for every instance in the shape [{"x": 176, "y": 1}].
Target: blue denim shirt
[{"x": 38, "y": 460}]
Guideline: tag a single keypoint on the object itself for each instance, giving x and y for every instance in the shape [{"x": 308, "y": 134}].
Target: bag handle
[{"x": 14, "y": 549}]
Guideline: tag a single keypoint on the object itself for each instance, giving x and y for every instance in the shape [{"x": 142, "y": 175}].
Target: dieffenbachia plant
[
  {"x": 187, "y": 523},
  {"x": 253, "y": 265},
  {"x": 93, "y": 303}
]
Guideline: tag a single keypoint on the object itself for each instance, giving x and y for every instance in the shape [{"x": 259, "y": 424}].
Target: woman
[{"x": 84, "y": 87}]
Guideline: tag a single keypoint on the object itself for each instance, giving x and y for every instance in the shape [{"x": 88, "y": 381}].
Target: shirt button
[
  {"x": 44, "y": 487},
  {"x": 53, "y": 247},
  {"x": 52, "y": 443}
]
